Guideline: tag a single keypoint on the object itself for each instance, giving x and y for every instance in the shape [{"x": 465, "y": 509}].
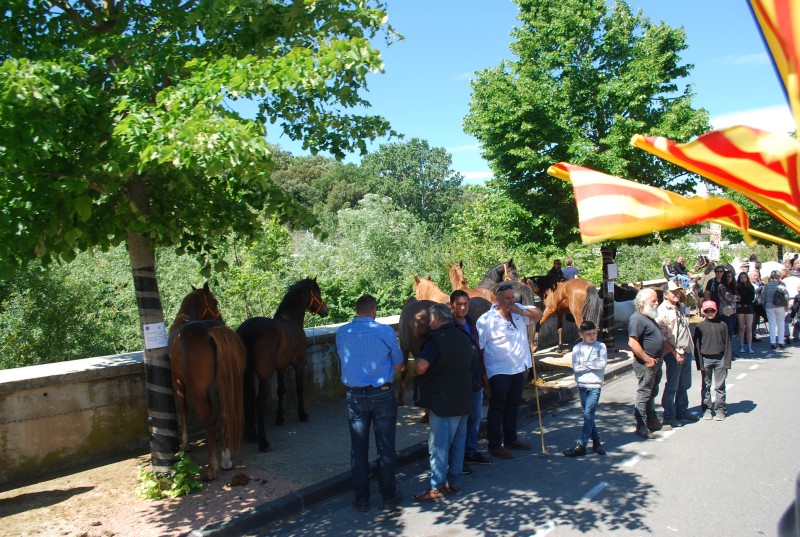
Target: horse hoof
[
  {"x": 209, "y": 474},
  {"x": 561, "y": 351}
]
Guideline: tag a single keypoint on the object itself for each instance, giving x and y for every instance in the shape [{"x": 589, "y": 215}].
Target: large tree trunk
[
  {"x": 609, "y": 254},
  {"x": 161, "y": 416}
]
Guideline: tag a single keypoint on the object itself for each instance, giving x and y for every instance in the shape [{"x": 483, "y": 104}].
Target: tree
[
  {"x": 417, "y": 177},
  {"x": 114, "y": 128},
  {"x": 587, "y": 77}
]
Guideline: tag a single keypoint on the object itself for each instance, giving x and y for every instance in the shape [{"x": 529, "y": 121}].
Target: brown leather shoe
[
  {"x": 501, "y": 453},
  {"x": 428, "y": 496},
  {"x": 519, "y": 444},
  {"x": 450, "y": 489}
]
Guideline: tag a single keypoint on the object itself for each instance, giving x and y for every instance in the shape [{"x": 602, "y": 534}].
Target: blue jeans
[
  {"x": 446, "y": 449},
  {"x": 474, "y": 423},
  {"x": 589, "y": 399},
  {"x": 679, "y": 379},
  {"x": 501, "y": 419},
  {"x": 684, "y": 280},
  {"x": 376, "y": 406}
]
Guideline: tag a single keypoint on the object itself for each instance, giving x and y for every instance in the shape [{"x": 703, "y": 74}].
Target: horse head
[
  {"x": 316, "y": 305},
  {"x": 457, "y": 279},
  {"x": 201, "y": 305},
  {"x": 510, "y": 271}
]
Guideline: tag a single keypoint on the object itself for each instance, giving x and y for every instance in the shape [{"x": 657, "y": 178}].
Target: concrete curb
[{"x": 318, "y": 493}]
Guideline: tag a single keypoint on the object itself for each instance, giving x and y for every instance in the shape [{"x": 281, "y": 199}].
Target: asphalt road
[{"x": 731, "y": 478}]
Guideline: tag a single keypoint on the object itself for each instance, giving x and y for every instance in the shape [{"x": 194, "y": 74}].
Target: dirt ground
[{"x": 102, "y": 502}]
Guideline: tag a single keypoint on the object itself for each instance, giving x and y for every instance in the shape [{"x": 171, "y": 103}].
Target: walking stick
[{"x": 538, "y": 405}]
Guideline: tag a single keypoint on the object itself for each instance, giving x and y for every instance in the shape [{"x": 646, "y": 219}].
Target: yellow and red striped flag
[
  {"x": 758, "y": 164},
  {"x": 779, "y": 21},
  {"x": 614, "y": 208}
]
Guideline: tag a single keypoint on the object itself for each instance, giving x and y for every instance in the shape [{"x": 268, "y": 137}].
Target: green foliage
[
  {"x": 115, "y": 117},
  {"x": 183, "y": 479},
  {"x": 587, "y": 77},
  {"x": 418, "y": 178},
  {"x": 377, "y": 249}
]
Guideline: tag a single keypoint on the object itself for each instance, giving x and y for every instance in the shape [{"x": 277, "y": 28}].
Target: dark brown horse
[
  {"x": 507, "y": 273},
  {"x": 577, "y": 297},
  {"x": 204, "y": 352},
  {"x": 272, "y": 346}
]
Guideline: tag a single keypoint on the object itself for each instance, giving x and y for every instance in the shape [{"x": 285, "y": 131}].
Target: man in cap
[{"x": 678, "y": 359}]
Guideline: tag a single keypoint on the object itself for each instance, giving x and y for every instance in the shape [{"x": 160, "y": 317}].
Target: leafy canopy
[
  {"x": 587, "y": 77},
  {"x": 99, "y": 100}
]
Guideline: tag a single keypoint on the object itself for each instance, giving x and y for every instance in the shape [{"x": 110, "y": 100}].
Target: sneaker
[
  {"x": 691, "y": 418},
  {"x": 707, "y": 415},
  {"x": 750, "y": 350},
  {"x": 578, "y": 451},
  {"x": 644, "y": 432},
  {"x": 477, "y": 458},
  {"x": 654, "y": 425},
  {"x": 773, "y": 346},
  {"x": 781, "y": 346},
  {"x": 720, "y": 416},
  {"x": 672, "y": 423},
  {"x": 741, "y": 349}
]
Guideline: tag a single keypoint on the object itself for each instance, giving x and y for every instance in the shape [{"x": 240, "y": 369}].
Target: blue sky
[{"x": 425, "y": 90}]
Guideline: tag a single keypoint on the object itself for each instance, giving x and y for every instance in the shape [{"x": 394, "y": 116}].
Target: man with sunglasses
[
  {"x": 503, "y": 336},
  {"x": 710, "y": 292}
]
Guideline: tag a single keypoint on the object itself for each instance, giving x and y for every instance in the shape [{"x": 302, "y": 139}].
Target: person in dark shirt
[
  {"x": 713, "y": 359},
  {"x": 648, "y": 345},
  {"x": 443, "y": 384},
  {"x": 555, "y": 274}
]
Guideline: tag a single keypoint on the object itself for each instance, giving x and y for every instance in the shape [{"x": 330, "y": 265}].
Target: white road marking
[
  {"x": 633, "y": 460},
  {"x": 740, "y": 377},
  {"x": 664, "y": 435},
  {"x": 729, "y": 386},
  {"x": 589, "y": 496},
  {"x": 548, "y": 527},
  {"x": 754, "y": 366}
]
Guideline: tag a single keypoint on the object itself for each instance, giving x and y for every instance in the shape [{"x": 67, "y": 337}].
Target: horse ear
[
  {"x": 461, "y": 264},
  {"x": 416, "y": 279},
  {"x": 193, "y": 287},
  {"x": 206, "y": 288},
  {"x": 511, "y": 261},
  {"x": 428, "y": 278}
]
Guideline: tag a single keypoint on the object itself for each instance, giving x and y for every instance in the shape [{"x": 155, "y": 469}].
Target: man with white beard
[{"x": 648, "y": 345}]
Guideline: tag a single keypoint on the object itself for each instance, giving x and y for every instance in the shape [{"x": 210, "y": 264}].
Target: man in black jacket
[{"x": 443, "y": 384}]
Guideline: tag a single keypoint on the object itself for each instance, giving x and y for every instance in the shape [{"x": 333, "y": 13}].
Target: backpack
[{"x": 781, "y": 297}]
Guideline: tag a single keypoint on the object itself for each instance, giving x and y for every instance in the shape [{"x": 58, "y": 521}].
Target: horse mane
[{"x": 307, "y": 284}]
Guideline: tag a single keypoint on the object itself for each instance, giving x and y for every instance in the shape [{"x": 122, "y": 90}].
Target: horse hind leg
[
  {"x": 205, "y": 410},
  {"x": 299, "y": 377},
  {"x": 401, "y": 390},
  {"x": 279, "y": 418},
  {"x": 183, "y": 409},
  {"x": 261, "y": 415}
]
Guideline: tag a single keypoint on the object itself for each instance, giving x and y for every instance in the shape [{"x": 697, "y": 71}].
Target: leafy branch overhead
[
  {"x": 586, "y": 77},
  {"x": 99, "y": 100}
]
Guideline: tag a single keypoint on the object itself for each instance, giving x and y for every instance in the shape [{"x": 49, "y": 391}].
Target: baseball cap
[
  {"x": 709, "y": 305},
  {"x": 672, "y": 286}
]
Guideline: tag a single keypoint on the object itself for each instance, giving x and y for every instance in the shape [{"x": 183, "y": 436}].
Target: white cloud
[
  {"x": 774, "y": 119},
  {"x": 761, "y": 58}
]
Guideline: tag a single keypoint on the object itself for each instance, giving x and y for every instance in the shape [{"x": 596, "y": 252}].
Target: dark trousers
[
  {"x": 376, "y": 407},
  {"x": 501, "y": 418},
  {"x": 649, "y": 378},
  {"x": 714, "y": 371}
]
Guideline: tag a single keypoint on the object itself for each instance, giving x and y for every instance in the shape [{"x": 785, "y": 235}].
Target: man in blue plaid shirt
[{"x": 369, "y": 356}]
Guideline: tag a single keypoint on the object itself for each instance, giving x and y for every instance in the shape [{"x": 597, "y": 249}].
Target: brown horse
[
  {"x": 457, "y": 281},
  {"x": 425, "y": 289},
  {"x": 272, "y": 346},
  {"x": 577, "y": 297},
  {"x": 204, "y": 352},
  {"x": 413, "y": 330}
]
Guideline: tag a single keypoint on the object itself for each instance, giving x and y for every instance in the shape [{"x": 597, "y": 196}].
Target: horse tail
[
  {"x": 230, "y": 357},
  {"x": 592, "y": 306}
]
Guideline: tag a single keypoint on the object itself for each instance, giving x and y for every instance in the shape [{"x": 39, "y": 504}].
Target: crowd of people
[{"x": 463, "y": 356}]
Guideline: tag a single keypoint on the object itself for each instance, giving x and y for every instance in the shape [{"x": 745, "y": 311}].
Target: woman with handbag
[
  {"x": 744, "y": 311},
  {"x": 775, "y": 298}
]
